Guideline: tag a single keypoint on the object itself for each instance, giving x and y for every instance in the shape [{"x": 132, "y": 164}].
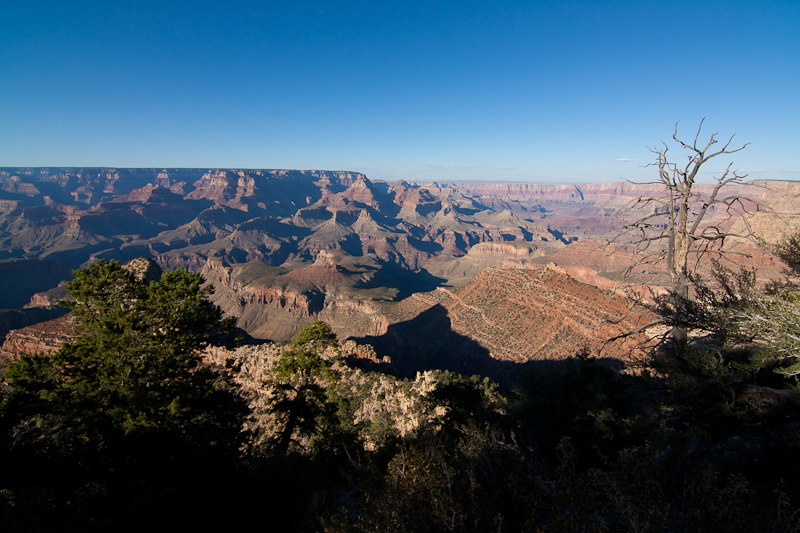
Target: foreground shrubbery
[
  {"x": 583, "y": 456},
  {"x": 126, "y": 428}
]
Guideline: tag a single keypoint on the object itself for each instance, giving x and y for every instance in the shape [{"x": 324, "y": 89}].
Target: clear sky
[{"x": 567, "y": 91}]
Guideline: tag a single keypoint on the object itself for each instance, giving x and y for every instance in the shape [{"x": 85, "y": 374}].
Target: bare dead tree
[{"x": 675, "y": 230}]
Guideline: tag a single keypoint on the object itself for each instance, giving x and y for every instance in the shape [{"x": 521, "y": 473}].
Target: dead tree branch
[{"x": 678, "y": 228}]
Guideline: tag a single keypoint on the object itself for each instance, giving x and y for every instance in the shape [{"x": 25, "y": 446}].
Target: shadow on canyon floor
[
  {"x": 428, "y": 342},
  {"x": 406, "y": 282}
]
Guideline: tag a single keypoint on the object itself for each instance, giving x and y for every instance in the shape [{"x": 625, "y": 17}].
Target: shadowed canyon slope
[{"x": 503, "y": 316}]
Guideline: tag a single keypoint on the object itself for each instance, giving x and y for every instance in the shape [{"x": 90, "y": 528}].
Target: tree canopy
[
  {"x": 134, "y": 367},
  {"x": 130, "y": 400}
]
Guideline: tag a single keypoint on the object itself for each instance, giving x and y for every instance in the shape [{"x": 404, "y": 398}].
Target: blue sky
[{"x": 513, "y": 91}]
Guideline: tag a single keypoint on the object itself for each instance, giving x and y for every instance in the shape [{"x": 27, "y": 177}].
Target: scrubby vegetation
[{"x": 128, "y": 428}]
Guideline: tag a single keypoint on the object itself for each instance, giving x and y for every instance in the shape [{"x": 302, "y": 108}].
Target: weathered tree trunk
[
  {"x": 285, "y": 437},
  {"x": 679, "y": 266},
  {"x": 680, "y": 335}
]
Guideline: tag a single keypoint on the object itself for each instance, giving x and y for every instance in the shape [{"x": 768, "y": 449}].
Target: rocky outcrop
[
  {"x": 16, "y": 185},
  {"x": 778, "y": 214},
  {"x": 42, "y": 338},
  {"x": 416, "y": 200},
  {"x": 520, "y": 250},
  {"x": 148, "y": 194},
  {"x": 264, "y": 311},
  {"x": 596, "y": 255},
  {"x": 8, "y": 205},
  {"x": 50, "y": 298},
  {"x": 356, "y": 318},
  {"x": 362, "y": 192},
  {"x": 143, "y": 268},
  {"x": 505, "y": 254},
  {"x": 221, "y": 187},
  {"x": 363, "y": 352},
  {"x": 381, "y": 404}
]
